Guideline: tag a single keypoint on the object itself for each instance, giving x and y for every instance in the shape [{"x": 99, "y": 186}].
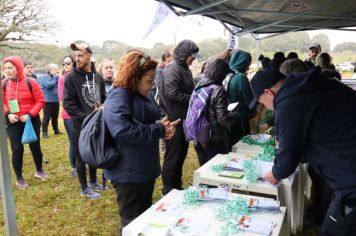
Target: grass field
[{"x": 55, "y": 207}]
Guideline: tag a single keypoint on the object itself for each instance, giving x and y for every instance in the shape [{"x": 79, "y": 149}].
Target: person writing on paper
[
  {"x": 133, "y": 120},
  {"x": 307, "y": 107},
  {"x": 218, "y": 114},
  {"x": 22, "y": 100}
]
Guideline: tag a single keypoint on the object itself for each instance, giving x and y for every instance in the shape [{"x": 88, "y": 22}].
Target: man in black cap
[
  {"x": 84, "y": 90},
  {"x": 310, "y": 129},
  {"x": 314, "y": 51}
]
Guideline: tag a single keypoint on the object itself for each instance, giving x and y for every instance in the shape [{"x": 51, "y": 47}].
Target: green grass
[{"x": 55, "y": 207}]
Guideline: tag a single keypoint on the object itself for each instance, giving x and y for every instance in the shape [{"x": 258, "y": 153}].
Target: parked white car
[{"x": 346, "y": 67}]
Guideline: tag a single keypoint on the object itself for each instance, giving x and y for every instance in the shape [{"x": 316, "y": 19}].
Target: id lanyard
[{"x": 13, "y": 103}]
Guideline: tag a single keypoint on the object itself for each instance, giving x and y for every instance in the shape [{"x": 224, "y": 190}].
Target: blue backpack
[{"x": 196, "y": 126}]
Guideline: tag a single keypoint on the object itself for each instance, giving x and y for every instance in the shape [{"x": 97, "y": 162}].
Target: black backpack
[{"x": 97, "y": 147}]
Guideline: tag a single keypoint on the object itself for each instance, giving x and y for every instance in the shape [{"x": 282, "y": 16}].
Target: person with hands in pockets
[
  {"x": 134, "y": 121},
  {"x": 22, "y": 100}
]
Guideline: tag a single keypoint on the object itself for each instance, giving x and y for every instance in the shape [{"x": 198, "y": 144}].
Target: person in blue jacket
[
  {"x": 49, "y": 84},
  {"x": 134, "y": 120},
  {"x": 315, "y": 123}
]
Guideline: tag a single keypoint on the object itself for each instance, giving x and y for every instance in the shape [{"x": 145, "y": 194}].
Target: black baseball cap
[
  {"x": 315, "y": 45},
  {"x": 263, "y": 80},
  {"x": 81, "y": 47}
]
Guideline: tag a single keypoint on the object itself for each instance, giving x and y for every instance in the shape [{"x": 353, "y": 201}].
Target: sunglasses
[
  {"x": 67, "y": 63},
  {"x": 143, "y": 59}
]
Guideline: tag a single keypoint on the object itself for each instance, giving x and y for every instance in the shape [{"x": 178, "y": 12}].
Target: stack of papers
[
  {"x": 210, "y": 194},
  {"x": 263, "y": 204},
  {"x": 249, "y": 224}
]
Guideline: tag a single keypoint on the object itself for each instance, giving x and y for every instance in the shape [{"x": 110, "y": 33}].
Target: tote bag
[{"x": 29, "y": 135}]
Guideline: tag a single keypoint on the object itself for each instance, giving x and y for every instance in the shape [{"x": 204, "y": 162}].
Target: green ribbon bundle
[
  {"x": 231, "y": 212},
  {"x": 249, "y": 140},
  {"x": 250, "y": 171},
  {"x": 268, "y": 154},
  {"x": 191, "y": 196}
]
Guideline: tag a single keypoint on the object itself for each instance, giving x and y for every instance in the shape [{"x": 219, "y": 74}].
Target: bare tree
[{"x": 22, "y": 20}]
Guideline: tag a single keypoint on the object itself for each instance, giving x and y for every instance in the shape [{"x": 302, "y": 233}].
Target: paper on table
[
  {"x": 191, "y": 227},
  {"x": 155, "y": 230},
  {"x": 169, "y": 209},
  {"x": 263, "y": 167},
  {"x": 266, "y": 204},
  {"x": 249, "y": 224},
  {"x": 213, "y": 193}
]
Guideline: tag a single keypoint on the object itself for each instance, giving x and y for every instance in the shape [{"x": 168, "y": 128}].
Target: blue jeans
[{"x": 68, "y": 124}]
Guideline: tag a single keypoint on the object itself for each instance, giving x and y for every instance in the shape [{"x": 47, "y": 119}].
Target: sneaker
[
  {"x": 45, "y": 161},
  {"x": 98, "y": 186},
  {"x": 89, "y": 193},
  {"x": 41, "y": 175},
  {"x": 73, "y": 172},
  {"x": 57, "y": 132},
  {"x": 45, "y": 135},
  {"x": 21, "y": 183}
]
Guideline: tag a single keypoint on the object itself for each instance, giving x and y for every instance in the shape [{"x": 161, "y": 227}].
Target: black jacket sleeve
[{"x": 291, "y": 130}]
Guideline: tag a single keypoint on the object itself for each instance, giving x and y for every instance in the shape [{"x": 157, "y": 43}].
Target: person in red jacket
[{"x": 22, "y": 100}]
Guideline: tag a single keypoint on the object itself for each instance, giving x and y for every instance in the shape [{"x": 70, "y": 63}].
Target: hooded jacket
[
  {"x": 239, "y": 89},
  {"x": 81, "y": 93},
  {"x": 218, "y": 114},
  {"x": 315, "y": 123},
  {"x": 30, "y": 103},
  {"x": 177, "y": 82}
]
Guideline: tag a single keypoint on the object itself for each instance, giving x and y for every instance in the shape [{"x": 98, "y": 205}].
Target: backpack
[
  {"x": 28, "y": 81},
  {"x": 196, "y": 126},
  {"x": 96, "y": 145}
]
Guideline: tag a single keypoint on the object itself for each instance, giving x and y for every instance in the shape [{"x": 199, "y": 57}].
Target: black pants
[
  {"x": 339, "y": 222},
  {"x": 81, "y": 170},
  {"x": 133, "y": 199},
  {"x": 212, "y": 149},
  {"x": 320, "y": 200},
  {"x": 51, "y": 111},
  {"x": 239, "y": 129},
  {"x": 15, "y": 132},
  {"x": 174, "y": 157}
]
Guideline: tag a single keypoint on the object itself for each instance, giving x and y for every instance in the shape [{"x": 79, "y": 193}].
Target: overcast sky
[{"x": 128, "y": 20}]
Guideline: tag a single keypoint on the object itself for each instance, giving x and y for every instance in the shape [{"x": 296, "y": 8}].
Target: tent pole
[{"x": 7, "y": 196}]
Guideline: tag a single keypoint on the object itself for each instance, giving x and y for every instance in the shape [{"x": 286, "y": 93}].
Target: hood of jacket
[
  {"x": 215, "y": 72},
  {"x": 240, "y": 60},
  {"x": 17, "y": 62},
  {"x": 183, "y": 50},
  {"x": 302, "y": 83}
]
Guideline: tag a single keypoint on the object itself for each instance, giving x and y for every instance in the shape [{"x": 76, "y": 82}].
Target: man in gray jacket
[{"x": 175, "y": 90}]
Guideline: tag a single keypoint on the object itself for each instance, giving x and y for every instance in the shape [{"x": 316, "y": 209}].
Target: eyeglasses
[
  {"x": 67, "y": 63},
  {"x": 143, "y": 59}
]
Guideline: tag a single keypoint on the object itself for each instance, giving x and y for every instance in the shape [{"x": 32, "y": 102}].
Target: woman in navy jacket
[{"x": 133, "y": 120}]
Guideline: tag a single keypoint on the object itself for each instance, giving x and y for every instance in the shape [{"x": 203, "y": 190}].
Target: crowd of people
[{"x": 145, "y": 101}]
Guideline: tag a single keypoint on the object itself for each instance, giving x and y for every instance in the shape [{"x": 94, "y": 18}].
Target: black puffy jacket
[{"x": 219, "y": 116}]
